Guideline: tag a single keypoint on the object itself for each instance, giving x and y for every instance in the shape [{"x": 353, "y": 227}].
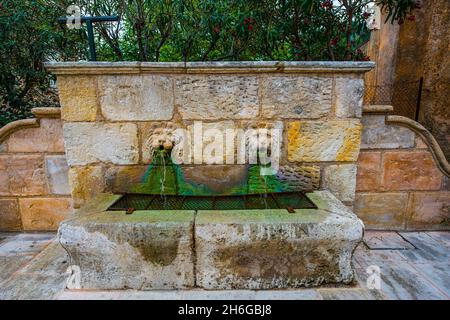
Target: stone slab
[
  {"x": 25, "y": 244},
  {"x": 263, "y": 249},
  {"x": 377, "y": 135},
  {"x": 382, "y": 210},
  {"x": 310, "y": 141},
  {"x": 10, "y": 219},
  {"x": 143, "y": 250},
  {"x": 349, "y": 94},
  {"x": 88, "y": 143},
  {"x": 44, "y": 214},
  {"x": 296, "y": 97},
  {"x": 341, "y": 181},
  {"x": 136, "y": 98},
  {"x": 217, "y": 97},
  {"x": 57, "y": 174},
  {"x": 386, "y": 240},
  {"x": 415, "y": 170}
]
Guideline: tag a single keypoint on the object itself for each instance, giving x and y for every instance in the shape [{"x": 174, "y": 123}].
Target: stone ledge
[
  {"x": 434, "y": 146},
  {"x": 381, "y": 109},
  {"x": 102, "y": 68},
  {"x": 46, "y": 112}
]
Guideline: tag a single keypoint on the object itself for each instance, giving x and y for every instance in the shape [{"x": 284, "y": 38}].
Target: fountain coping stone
[{"x": 210, "y": 67}]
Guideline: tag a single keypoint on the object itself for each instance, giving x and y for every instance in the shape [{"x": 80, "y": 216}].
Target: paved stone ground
[{"x": 413, "y": 265}]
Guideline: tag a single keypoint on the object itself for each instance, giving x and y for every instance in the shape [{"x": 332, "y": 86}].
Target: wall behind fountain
[{"x": 111, "y": 110}]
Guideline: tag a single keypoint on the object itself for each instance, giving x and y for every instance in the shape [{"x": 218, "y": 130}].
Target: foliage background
[{"x": 174, "y": 30}]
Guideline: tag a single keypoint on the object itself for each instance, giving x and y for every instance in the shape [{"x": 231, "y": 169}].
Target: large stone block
[
  {"x": 349, "y": 94},
  {"x": 88, "y": 143},
  {"x": 264, "y": 249},
  {"x": 4, "y": 176},
  {"x": 291, "y": 177},
  {"x": 382, "y": 210},
  {"x": 292, "y": 97},
  {"x": 57, "y": 174},
  {"x": 78, "y": 97},
  {"x": 315, "y": 141},
  {"x": 377, "y": 135},
  {"x": 410, "y": 171},
  {"x": 341, "y": 181},
  {"x": 368, "y": 177},
  {"x": 47, "y": 138},
  {"x": 217, "y": 97},
  {"x": 44, "y": 214},
  {"x": 10, "y": 215},
  {"x": 429, "y": 210},
  {"x": 136, "y": 98},
  {"x": 27, "y": 175},
  {"x": 86, "y": 182},
  {"x": 144, "y": 250}
]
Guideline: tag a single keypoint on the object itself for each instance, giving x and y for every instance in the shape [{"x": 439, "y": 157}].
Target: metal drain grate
[{"x": 284, "y": 200}]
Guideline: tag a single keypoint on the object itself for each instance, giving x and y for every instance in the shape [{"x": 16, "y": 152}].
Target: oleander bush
[{"x": 175, "y": 30}]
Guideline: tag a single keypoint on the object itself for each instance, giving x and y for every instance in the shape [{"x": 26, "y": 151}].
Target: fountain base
[{"x": 212, "y": 249}]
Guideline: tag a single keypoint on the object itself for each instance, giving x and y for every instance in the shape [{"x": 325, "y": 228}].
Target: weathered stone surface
[
  {"x": 295, "y": 177},
  {"x": 88, "y": 143},
  {"x": 136, "y": 98},
  {"x": 10, "y": 215},
  {"x": 213, "y": 179},
  {"x": 368, "y": 176},
  {"x": 341, "y": 181},
  {"x": 410, "y": 171},
  {"x": 47, "y": 138},
  {"x": 349, "y": 94},
  {"x": 4, "y": 177},
  {"x": 57, "y": 174},
  {"x": 292, "y": 97},
  {"x": 86, "y": 182},
  {"x": 123, "y": 178},
  {"x": 429, "y": 210},
  {"x": 3, "y": 147},
  {"x": 27, "y": 175},
  {"x": 217, "y": 97},
  {"x": 382, "y": 210},
  {"x": 262, "y": 249},
  {"x": 78, "y": 97},
  {"x": 377, "y": 135},
  {"x": 144, "y": 250},
  {"x": 44, "y": 214},
  {"x": 420, "y": 143},
  {"x": 316, "y": 141}
]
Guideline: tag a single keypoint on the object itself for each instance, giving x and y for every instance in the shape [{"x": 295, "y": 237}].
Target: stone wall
[
  {"x": 34, "y": 189},
  {"x": 402, "y": 177},
  {"x": 400, "y": 182},
  {"x": 405, "y": 53},
  {"x": 111, "y": 110}
]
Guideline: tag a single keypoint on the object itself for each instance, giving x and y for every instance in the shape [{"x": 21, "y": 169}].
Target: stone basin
[{"x": 230, "y": 249}]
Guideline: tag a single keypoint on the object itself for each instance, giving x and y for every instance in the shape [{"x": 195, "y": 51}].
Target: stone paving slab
[
  {"x": 350, "y": 294},
  {"x": 383, "y": 240},
  {"x": 428, "y": 249},
  {"x": 26, "y": 243}
]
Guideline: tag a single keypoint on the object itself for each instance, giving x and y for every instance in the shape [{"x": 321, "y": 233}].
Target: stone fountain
[{"x": 121, "y": 125}]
